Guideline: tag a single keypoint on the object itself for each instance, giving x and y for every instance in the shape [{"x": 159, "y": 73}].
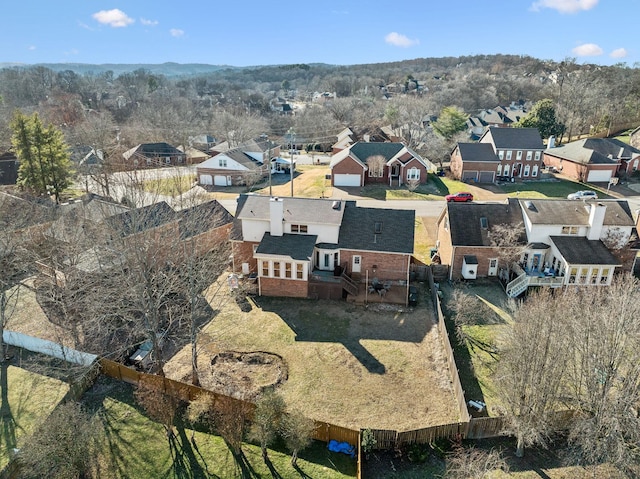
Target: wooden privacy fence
[{"x": 188, "y": 392}]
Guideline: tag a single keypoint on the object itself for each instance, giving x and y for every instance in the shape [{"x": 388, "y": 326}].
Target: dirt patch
[{"x": 243, "y": 374}]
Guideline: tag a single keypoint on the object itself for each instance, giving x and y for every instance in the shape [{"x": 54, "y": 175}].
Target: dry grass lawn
[{"x": 348, "y": 365}]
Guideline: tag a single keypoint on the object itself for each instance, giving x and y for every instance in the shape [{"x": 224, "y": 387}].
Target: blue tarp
[{"x": 343, "y": 447}]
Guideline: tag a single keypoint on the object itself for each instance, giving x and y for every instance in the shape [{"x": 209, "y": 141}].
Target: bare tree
[
  {"x": 63, "y": 447},
  {"x": 296, "y": 429},
  {"x": 472, "y": 463},
  {"x": 160, "y": 406},
  {"x": 376, "y": 165},
  {"x": 266, "y": 419},
  {"x": 533, "y": 358}
]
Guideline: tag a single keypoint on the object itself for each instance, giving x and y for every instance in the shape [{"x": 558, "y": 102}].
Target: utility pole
[
  {"x": 292, "y": 135},
  {"x": 269, "y": 161}
]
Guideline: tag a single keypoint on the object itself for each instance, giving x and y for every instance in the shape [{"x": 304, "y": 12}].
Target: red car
[{"x": 459, "y": 197}]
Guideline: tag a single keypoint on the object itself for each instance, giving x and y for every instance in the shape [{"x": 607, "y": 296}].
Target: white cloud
[
  {"x": 399, "y": 40},
  {"x": 564, "y": 6},
  {"x": 176, "y": 32},
  {"x": 150, "y": 23},
  {"x": 587, "y": 50},
  {"x": 31, "y": 47},
  {"x": 619, "y": 53},
  {"x": 114, "y": 18}
]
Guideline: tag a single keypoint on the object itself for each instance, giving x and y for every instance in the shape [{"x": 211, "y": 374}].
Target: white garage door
[
  {"x": 221, "y": 180},
  {"x": 469, "y": 175},
  {"x": 599, "y": 176},
  {"x": 346, "y": 180},
  {"x": 206, "y": 180}
]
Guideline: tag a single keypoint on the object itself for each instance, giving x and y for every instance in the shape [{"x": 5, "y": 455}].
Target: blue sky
[{"x": 346, "y": 32}]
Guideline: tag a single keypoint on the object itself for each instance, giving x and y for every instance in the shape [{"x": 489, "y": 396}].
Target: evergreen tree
[
  {"x": 543, "y": 117},
  {"x": 44, "y": 157},
  {"x": 450, "y": 121}
]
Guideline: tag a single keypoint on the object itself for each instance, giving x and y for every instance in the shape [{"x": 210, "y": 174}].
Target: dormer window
[{"x": 377, "y": 227}]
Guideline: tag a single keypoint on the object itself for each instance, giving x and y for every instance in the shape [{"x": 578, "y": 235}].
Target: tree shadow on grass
[
  {"x": 8, "y": 420},
  {"x": 274, "y": 473}
]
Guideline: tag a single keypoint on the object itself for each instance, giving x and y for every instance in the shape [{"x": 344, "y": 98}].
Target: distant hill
[{"x": 167, "y": 69}]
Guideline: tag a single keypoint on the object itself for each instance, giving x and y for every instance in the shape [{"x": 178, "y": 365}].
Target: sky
[{"x": 338, "y": 32}]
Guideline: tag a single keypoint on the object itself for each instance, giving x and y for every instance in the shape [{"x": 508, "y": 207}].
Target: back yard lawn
[
  {"x": 133, "y": 445},
  {"x": 348, "y": 365},
  {"x": 548, "y": 189}
]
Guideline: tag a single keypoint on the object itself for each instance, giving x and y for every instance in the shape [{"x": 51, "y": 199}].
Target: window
[
  {"x": 569, "y": 230},
  {"x": 526, "y": 170},
  {"x": 265, "y": 268},
  {"x": 537, "y": 156},
  {"x": 276, "y": 269},
  {"x": 529, "y": 155},
  {"x": 501, "y": 155},
  {"x": 509, "y": 155},
  {"x": 506, "y": 170},
  {"x": 572, "y": 275},
  {"x": 519, "y": 155},
  {"x": 167, "y": 160},
  {"x": 222, "y": 162},
  {"x": 413, "y": 174},
  {"x": 499, "y": 170},
  {"x": 484, "y": 224},
  {"x": 148, "y": 161},
  {"x": 377, "y": 227},
  {"x": 604, "y": 276},
  {"x": 299, "y": 228},
  {"x": 326, "y": 260},
  {"x": 180, "y": 159},
  {"x": 534, "y": 171},
  {"x": 375, "y": 173},
  {"x": 287, "y": 270},
  {"x": 299, "y": 270},
  {"x": 583, "y": 275},
  {"x": 594, "y": 276}
]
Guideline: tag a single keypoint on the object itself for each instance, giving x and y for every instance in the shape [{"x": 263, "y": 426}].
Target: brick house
[
  {"x": 519, "y": 151},
  {"x": 562, "y": 242},
  {"x": 304, "y": 247},
  {"x": 474, "y": 162},
  {"x": 594, "y": 159},
  {"x": 364, "y": 163},
  {"x": 153, "y": 155}
]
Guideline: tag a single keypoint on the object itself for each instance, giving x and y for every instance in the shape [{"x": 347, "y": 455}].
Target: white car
[{"x": 583, "y": 195}]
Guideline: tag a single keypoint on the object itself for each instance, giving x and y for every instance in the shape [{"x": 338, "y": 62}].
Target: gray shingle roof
[
  {"x": 141, "y": 219},
  {"x": 477, "y": 153},
  {"x": 593, "y": 151},
  {"x": 580, "y": 250},
  {"x": 201, "y": 218},
  {"x": 464, "y": 221},
  {"x": 364, "y": 150},
  {"x": 294, "y": 246},
  {"x": 300, "y": 210},
  {"x": 575, "y": 213},
  {"x": 396, "y": 233},
  {"x": 515, "y": 138}
]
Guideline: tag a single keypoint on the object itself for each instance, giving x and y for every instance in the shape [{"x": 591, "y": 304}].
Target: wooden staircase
[{"x": 348, "y": 284}]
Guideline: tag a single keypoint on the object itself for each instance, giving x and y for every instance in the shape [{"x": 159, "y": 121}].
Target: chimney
[
  {"x": 276, "y": 216},
  {"x": 551, "y": 142},
  {"x": 621, "y": 153},
  {"x": 596, "y": 220}
]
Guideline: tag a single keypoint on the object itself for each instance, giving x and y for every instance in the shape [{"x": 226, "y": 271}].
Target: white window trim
[
  {"x": 509, "y": 155},
  {"x": 222, "y": 163},
  {"x": 534, "y": 171},
  {"x": 501, "y": 154},
  {"x": 538, "y": 154},
  {"x": 519, "y": 155},
  {"x": 529, "y": 155},
  {"x": 413, "y": 173},
  {"x": 526, "y": 170}
]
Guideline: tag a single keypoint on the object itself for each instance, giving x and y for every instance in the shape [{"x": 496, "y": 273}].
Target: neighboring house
[
  {"x": 194, "y": 155},
  {"x": 202, "y": 142},
  {"x": 245, "y": 164},
  {"x": 8, "y": 168},
  {"x": 474, "y": 162},
  {"x": 565, "y": 242},
  {"x": 595, "y": 160},
  {"x": 153, "y": 155},
  {"x": 350, "y": 136},
  {"x": 204, "y": 226},
  {"x": 634, "y": 138},
  {"x": 518, "y": 149},
  {"x": 389, "y": 163},
  {"x": 304, "y": 247}
]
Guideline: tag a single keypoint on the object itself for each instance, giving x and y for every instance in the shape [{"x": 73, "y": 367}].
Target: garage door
[
  {"x": 596, "y": 176},
  {"x": 346, "y": 180},
  {"x": 469, "y": 175},
  {"x": 206, "y": 180},
  {"x": 486, "y": 177},
  {"x": 221, "y": 180}
]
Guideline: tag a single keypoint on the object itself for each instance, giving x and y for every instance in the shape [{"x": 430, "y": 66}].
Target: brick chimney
[{"x": 276, "y": 216}]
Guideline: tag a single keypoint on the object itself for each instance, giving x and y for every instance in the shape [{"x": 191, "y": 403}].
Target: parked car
[
  {"x": 413, "y": 296},
  {"x": 583, "y": 195},
  {"x": 462, "y": 196}
]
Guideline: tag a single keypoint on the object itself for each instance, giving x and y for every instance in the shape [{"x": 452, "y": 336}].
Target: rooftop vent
[
  {"x": 484, "y": 224},
  {"x": 336, "y": 205},
  {"x": 378, "y": 227},
  {"x": 530, "y": 206}
]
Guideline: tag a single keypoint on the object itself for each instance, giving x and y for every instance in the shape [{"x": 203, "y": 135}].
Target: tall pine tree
[{"x": 44, "y": 156}]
